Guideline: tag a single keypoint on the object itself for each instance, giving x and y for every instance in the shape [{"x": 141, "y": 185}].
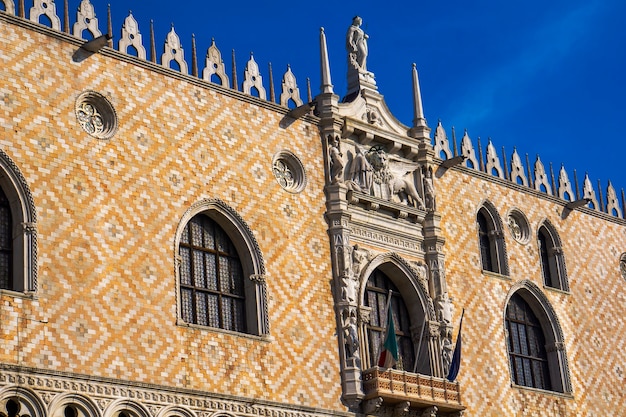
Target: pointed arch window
[
  {"x": 535, "y": 342},
  {"x": 526, "y": 343},
  {"x": 18, "y": 233},
  {"x": 376, "y": 295},
  {"x": 221, "y": 274},
  {"x": 6, "y": 243},
  {"x": 211, "y": 277},
  {"x": 491, "y": 242},
  {"x": 552, "y": 260}
]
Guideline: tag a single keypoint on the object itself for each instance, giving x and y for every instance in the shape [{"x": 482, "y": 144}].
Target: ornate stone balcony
[{"x": 397, "y": 387}]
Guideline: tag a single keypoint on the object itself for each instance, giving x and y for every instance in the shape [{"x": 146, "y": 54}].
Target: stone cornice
[{"x": 109, "y": 389}]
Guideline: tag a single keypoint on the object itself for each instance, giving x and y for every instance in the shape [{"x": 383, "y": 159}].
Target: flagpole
[
  {"x": 419, "y": 345},
  {"x": 387, "y": 310},
  {"x": 382, "y": 341},
  {"x": 456, "y": 357}
]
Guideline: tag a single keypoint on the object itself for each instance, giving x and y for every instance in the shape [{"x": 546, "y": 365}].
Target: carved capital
[
  {"x": 372, "y": 406},
  {"x": 260, "y": 278},
  {"x": 29, "y": 228},
  {"x": 430, "y": 412},
  {"x": 434, "y": 329},
  {"x": 555, "y": 347},
  {"x": 365, "y": 314},
  {"x": 401, "y": 409},
  {"x": 556, "y": 250}
]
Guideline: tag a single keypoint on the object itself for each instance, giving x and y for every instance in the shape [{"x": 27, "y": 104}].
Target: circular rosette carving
[
  {"x": 289, "y": 172},
  {"x": 518, "y": 226},
  {"x": 96, "y": 115}
]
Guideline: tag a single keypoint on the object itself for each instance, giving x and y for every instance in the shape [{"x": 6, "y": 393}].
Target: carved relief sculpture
[
  {"x": 393, "y": 180},
  {"x": 336, "y": 160},
  {"x": 350, "y": 335},
  {"x": 361, "y": 173},
  {"x": 359, "y": 258},
  {"x": 429, "y": 191}
]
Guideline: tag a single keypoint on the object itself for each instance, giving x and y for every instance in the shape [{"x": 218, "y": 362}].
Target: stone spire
[
  {"x": 234, "y": 72},
  {"x": 66, "y": 17},
  {"x": 152, "y": 43},
  {"x": 194, "y": 59},
  {"x": 420, "y": 128},
  {"x": 327, "y": 86},
  {"x": 109, "y": 26},
  {"x": 271, "y": 75}
]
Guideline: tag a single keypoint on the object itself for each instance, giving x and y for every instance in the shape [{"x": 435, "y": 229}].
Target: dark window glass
[
  {"x": 526, "y": 343},
  {"x": 485, "y": 242},
  {"x": 544, "y": 242},
  {"x": 6, "y": 243},
  {"x": 376, "y": 293},
  {"x": 211, "y": 277}
]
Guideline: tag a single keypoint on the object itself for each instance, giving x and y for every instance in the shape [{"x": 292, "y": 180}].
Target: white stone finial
[
  {"x": 541, "y": 177},
  {"x": 589, "y": 192},
  {"x": 173, "y": 51},
  {"x": 327, "y": 86},
  {"x": 252, "y": 78},
  {"x": 290, "y": 89},
  {"x": 468, "y": 151},
  {"x": 86, "y": 19},
  {"x": 214, "y": 64},
  {"x": 612, "y": 204},
  {"x": 517, "y": 169},
  {"x": 493, "y": 161},
  {"x": 131, "y": 37},
  {"x": 565, "y": 186},
  {"x": 46, "y": 8},
  {"x": 442, "y": 144},
  {"x": 9, "y": 6}
]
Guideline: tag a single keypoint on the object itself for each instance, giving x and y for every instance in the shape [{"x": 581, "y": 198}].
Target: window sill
[
  {"x": 543, "y": 391},
  {"x": 27, "y": 295},
  {"x": 566, "y": 292},
  {"x": 262, "y": 338},
  {"x": 496, "y": 275}
]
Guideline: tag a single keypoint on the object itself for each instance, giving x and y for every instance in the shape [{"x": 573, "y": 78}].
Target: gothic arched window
[
  {"x": 376, "y": 295},
  {"x": 221, "y": 274},
  {"x": 211, "y": 277},
  {"x": 491, "y": 241},
  {"x": 18, "y": 236},
  {"x": 535, "y": 341},
  {"x": 526, "y": 343},
  {"x": 552, "y": 261},
  {"x": 6, "y": 243}
]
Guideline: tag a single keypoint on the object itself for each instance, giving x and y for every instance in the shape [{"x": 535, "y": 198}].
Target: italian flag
[{"x": 389, "y": 355}]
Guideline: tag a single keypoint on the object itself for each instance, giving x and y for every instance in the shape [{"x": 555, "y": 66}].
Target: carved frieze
[{"x": 152, "y": 398}]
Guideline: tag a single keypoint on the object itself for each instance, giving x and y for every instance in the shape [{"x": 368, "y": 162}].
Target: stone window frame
[
  {"x": 257, "y": 316},
  {"x": 558, "y": 365},
  {"x": 418, "y": 303},
  {"x": 24, "y": 230},
  {"x": 553, "y": 269},
  {"x": 128, "y": 407},
  {"x": 26, "y": 399},
  {"x": 82, "y": 405},
  {"x": 494, "y": 236}
]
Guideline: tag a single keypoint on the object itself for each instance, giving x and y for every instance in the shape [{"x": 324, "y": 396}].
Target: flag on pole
[
  {"x": 456, "y": 357},
  {"x": 389, "y": 355}
]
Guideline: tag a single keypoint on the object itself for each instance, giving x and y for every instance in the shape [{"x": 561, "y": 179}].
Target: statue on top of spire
[
  {"x": 358, "y": 75},
  {"x": 356, "y": 44}
]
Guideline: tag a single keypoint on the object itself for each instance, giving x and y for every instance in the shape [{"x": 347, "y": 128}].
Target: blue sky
[{"x": 544, "y": 77}]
